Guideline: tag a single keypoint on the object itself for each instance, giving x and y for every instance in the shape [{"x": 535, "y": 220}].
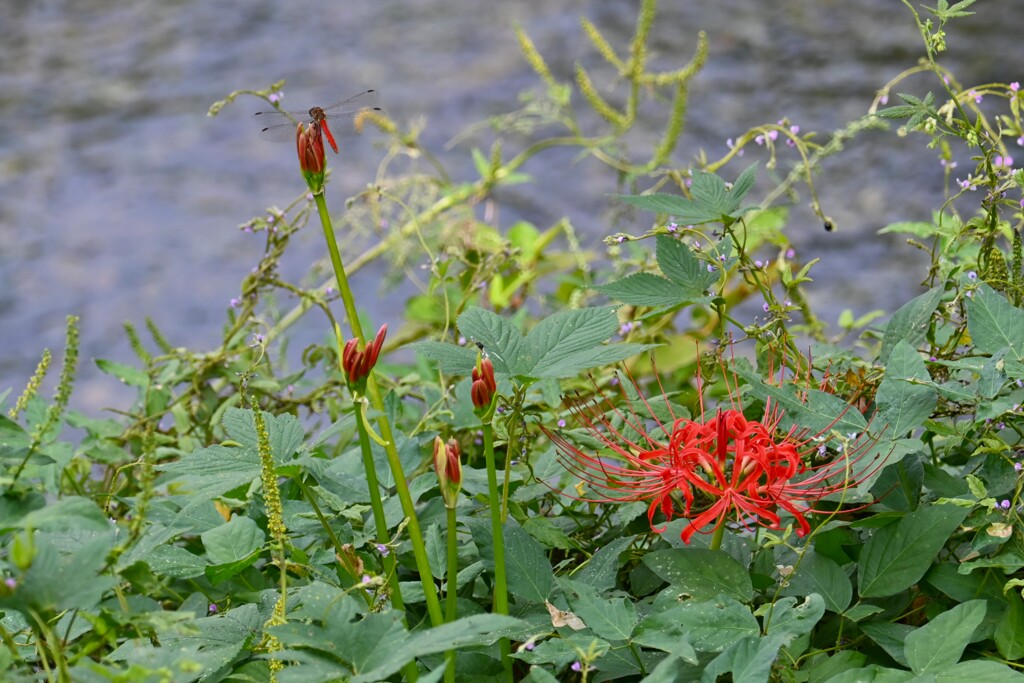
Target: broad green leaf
[
  {"x": 547, "y": 533},
  {"x": 498, "y": 336},
  {"x": 285, "y": 432},
  {"x": 1009, "y": 634},
  {"x": 682, "y": 209},
  {"x": 712, "y": 199},
  {"x": 910, "y": 322},
  {"x": 876, "y": 674},
  {"x": 792, "y": 620},
  {"x": 132, "y": 376},
  {"x": 645, "y": 289},
  {"x": 450, "y": 359},
  {"x": 557, "y": 338},
  {"x": 215, "y": 470},
  {"x": 684, "y": 269},
  {"x": 175, "y": 562},
  {"x": 612, "y": 619},
  {"x": 710, "y": 626},
  {"x": 67, "y": 572},
  {"x": 221, "y": 638},
  {"x": 750, "y": 660},
  {"x": 979, "y": 671},
  {"x": 823, "y": 576},
  {"x": 890, "y": 637},
  {"x": 701, "y": 574},
  {"x": 995, "y": 323},
  {"x": 898, "y": 555},
  {"x": 905, "y": 398},
  {"x": 600, "y": 571},
  {"x": 529, "y": 573},
  {"x": 232, "y": 541},
  {"x": 66, "y": 514},
  {"x": 938, "y": 645},
  {"x": 437, "y": 550}
]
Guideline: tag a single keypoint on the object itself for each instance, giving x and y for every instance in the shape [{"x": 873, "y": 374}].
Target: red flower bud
[
  {"x": 357, "y": 364},
  {"x": 310, "y": 144},
  {"x": 448, "y": 465},
  {"x": 484, "y": 387}
]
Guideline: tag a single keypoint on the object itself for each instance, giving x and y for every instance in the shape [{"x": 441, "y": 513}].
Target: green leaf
[
  {"x": 612, "y": 619},
  {"x": 749, "y": 660},
  {"x": 898, "y": 555},
  {"x": 233, "y": 541},
  {"x": 979, "y": 671},
  {"x": 646, "y": 289},
  {"x": 499, "y": 337},
  {"x": 133, "y": 377},
  {"x": 601, "y": 570},
  {"x": 701, "y": 574},
  {"x": 790, "y": 619},
  {"x": 939, "y": 644},
  {"x": 905, "y": 398},
  {"x": 175, "y": 562},
  {"x": 285, "y": 432},
  {"x": 995, "y": 323},
  {"x": 67, "y": 514},
  {"x": 529, "y": 572},
  {"x": 810, "y": 409},
  {"x": 1009, "y": 634},
  {"x": 823, "y": 576},
  {"x": 450, "y": 359},
  {"x": 215, "y": 470},
  {"x": 555, "y": 340},
  {"x": 890, "y": 637},
  {"x": 712, "y": 200},
  {"x": 710, "y": 626},
  {"x": 910, "y": 322},
  {"x": 684, "y": 269}
]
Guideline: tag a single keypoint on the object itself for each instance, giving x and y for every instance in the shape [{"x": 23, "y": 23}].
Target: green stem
[
  {"x": 450, "y": 590},
  {"x": 500, "y": 581},
  {"x": 419, "y": 549},
  {"x": 383, "y": 537},
  {"x": 717, "y": 536}
]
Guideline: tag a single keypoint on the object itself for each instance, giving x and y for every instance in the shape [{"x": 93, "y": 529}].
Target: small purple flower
[
  {"x": 461, "y": 341},
  {"x": 235, "y": 302},
  {"x": 620, "y": 239},
  {"x": 884, "y": 99},
  {"x": 561, "y": 423},
  {"x": 11, "y": 582},
  {"x": 972, "y": 275},
  {"x": 672, "y": 227},
  {"x": 711, "y": 268},
  {"x": 383, "y": 550},
  {"x": 974, "y": 94},
  {"x": 309, "y": 196},
  {"x": 1000, "y": 425},
  {"x": 790, "y": 253},
  {"x": 1020, "y": 141},
  {"x": 1002, "y": 162},
  {"x": 758, "y": 264},
  {"x": 759, "y": 139},
  {"x": 275, "y": 97},
  {"x": 787, "y": 303},
  {"x": 530, "y": 645},
  {"x": 947, "y": 164},
  {"x": 614, "y": 381},
  {"x": 366, "y": 578},
  {"x": 1015, "y": 86},
  {"x": 765, "y": 307},
  {"x": 1005, "y": 504},
  {"x": 626, "y": 328},
  {"x": 932, "y": 358},
  {"x": 213, "y": 608},
  {"x": 576, "y": 666},
  {"x": 1018, "y": 466}
]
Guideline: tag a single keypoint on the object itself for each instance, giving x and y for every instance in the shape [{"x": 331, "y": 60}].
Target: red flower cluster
[{"x": 710, "y": 470}]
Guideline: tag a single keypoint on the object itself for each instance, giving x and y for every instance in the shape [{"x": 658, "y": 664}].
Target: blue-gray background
[{"x": 119, "y": 198}]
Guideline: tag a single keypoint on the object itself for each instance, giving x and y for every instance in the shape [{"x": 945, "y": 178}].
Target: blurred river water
[{"x": 120, "y": 198}]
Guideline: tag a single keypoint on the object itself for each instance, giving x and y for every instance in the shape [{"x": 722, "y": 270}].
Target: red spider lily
[{"x": 711, "y": 470}]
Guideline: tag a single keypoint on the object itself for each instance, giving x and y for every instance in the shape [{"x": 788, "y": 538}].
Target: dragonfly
[{"x": 347, "y": 116}]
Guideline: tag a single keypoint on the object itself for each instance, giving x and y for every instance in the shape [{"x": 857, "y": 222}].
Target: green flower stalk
[
  {"x": 278, "y": 531},
  {"x": 448, "y": 466},
  {"x": 484, "y": 394},
  {"x": 419, "y": 548}
]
